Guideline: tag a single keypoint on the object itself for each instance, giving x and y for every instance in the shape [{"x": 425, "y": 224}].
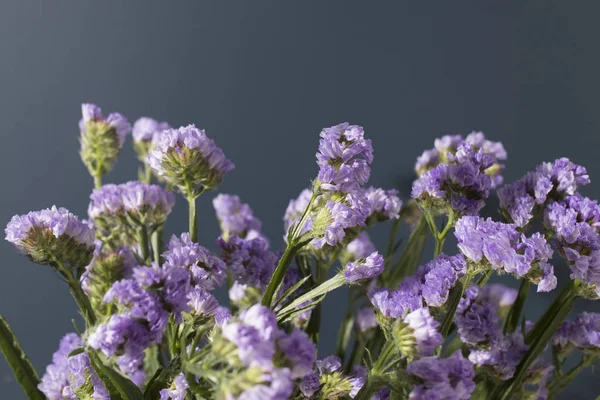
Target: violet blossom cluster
[{"x": 154, "y": 327}]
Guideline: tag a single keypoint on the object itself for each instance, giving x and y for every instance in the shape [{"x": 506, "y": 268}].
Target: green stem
[
  {"x": 391, "y": 242},
  {"x": 411, "y": 256},
  {"x": 147, "y": 174},
  {"x": 454, "y": 298},
  {"x": 324, "y": 288},
  {"x": 375, "y": 380},
  {"x": 279, "y": 273},
  {"x": 78, "y": 294},
  {"x": 512, "y": 319},
  {"x": 538, "y": 338},
  {"x": 558, "y": 384},
  {"x": 97, "y": 180},
  {"x": 157, "y": 244},
  {"x": 193, "y": 223},
  {"x": 143, "y": 239}
]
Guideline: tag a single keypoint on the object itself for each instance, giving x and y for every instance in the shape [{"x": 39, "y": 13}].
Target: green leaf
[
  {"x": 161, "y": 379},
  {"x": 125, "y": 388},
  {"x": 291, "y": 290},
  {"x": 18, "y": 362},
  {"x": 321, "y": 290}
]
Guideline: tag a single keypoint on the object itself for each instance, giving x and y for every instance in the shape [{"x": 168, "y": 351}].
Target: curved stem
[
  {"x": 78, "y": 294},
  {"x": 97, "y": 180},
  {"x": 157, "y": 244},
  {"x": 454, "y": 298},
  {"x": 143, "y": 239},
  {"x": 279, "y": 273}
]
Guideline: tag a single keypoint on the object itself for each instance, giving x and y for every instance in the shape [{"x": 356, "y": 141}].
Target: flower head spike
[
  {"x": 344, "y": 157},
  {"x": 101, "y": 138},
  {"x": 416, "y": 334},
  {"x": 187, "y": 158},
  {"x": 56, "y": 378},
  {"x": 146, "y": 132},
  {"x": 52, "y": 235},
  {"x": 368, "y": 268}
]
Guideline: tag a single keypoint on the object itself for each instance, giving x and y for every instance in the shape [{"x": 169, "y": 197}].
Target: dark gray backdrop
[{"x": 263, "y": 78}]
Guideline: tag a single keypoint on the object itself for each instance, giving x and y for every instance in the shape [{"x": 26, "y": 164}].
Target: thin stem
[
  {"x": 298, "y": 228},
  {"x": 97, "y": 180},
  {"x": 455, "y": 295},
  {"x": 558, "y": 384},
  {"x": 147, "y": 174},
  {"x": 279, "y": 273},
  {"x": 512, "y": 319},
  {"x": 391, "y": 241},
  {"x": 193, "y": 223},
  {"x": 78, "y": 294},
  {"x": 157, "y": 244},
  {"x": 143, "y": 239}
]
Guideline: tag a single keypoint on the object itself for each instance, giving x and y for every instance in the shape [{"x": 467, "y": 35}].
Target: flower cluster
[
  {"x": 153, "y": 327},
  {"x": 186, "y": 157}
]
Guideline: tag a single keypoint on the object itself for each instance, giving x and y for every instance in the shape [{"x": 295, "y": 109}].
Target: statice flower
[
  {"x": 248, "y": 261},
  {"x": 385, "y": 204},
  {"x": 235, "y": 217},
  {"x": 437, "y": 277},
  {"x": 500, "y": 246},
  {"x": 582, "y": 333},
  {"x": 187, "y": 158},
  {"x": 344, "y": 157},
  {"x": 202, "y": 302},
  {"x": 442, "y": 378},
  {"x": 521, "y": 200},
  {"x": 392, "y": 304},
  {"x": 177, "y": 390},
  {"x": 460, "y": 187},
  {"x": 447, "y": 146},
  {"x": 106, "y": 268},
  {"x": 416, "y": 334},
  {"x": 503, "y": 355},
  {"x": 56, "y": 378},
  {"x": 299, "y": 351},
  {"x": 124, "y": 337},
  {"x": 207, "y": 270},
  {"x": 83, "y": 380},
  {"x": 357, "y": 379},
  {"x": 101, "y": 138},
  {"x": 367, "y": 268},
  {"x": 336, "y": 218},
  {"x": 574, "y": 224},
  {"x": 476, "y": 319},
  {"x": 52, "y": 235}
]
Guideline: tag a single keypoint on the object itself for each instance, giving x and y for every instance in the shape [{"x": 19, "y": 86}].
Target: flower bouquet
[{"x": 153, "y": 328}]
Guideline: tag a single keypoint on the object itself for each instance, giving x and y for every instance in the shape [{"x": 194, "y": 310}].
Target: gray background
[{"x": 263, "y": 78}]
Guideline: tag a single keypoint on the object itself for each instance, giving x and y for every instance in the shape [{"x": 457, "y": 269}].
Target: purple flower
[
  {"x": 186, "y": 156},
  {"x": 344, "y": 157},
  {"x": 222, "y": 315},
  {"x": 582, "y": 333},
  {"x": 299, "y": 351},
  {"x": 550, "y": 181},
  {"x": 504, "y": 354},
  {"x": 501, "y": 246},
  {"x": 437, "y": 277},
  {"x": 123, "y": 337},
  {"x": 385, "y": 204},
  {"x": 249, "y": 262},
  {"x": 357, "y": 379},
  {"x": 329, "y": 364},
  {"x": 336, "y": 217},
  {"x": 81, "y": 373},
  {"x": 461, "y": 186},
  {"x": 423, "y": 334},
  {"x": 56, "y": 378},
  {"x": 310, "y": 384},
  {"x": 147, "y": 129},
  {"x": 448, "y": 146},
  {"x": 366, "y": 319},
  {"x": 115, "y": 122},
  {"x": 235, "y": 217},
  {"x": 392, "y": 304},
  {"x": 476, "y": 318},
  {"x": 52, "y": 234},
  {"x": 368, "y": 268},
  {"x": 442, "y": 378},
  {"x": 151, "y": 204},
  {"x": 361, "y": 247},
  {"x": 276, "y": 385},
  {"x": 207, "y": 270},
  {"x": 202, "y": 302},
  {"x": 499, "y": 294},
  {"x": 177, "y": 391}
]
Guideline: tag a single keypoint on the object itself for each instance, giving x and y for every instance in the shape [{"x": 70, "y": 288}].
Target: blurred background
[{"x": 263, "y": 78}]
